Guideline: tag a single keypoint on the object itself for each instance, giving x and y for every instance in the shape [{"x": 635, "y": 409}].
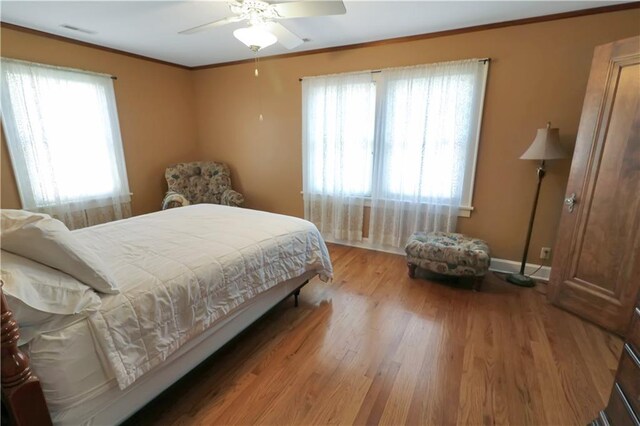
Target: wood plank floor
[{"x": 376, "y": 347}]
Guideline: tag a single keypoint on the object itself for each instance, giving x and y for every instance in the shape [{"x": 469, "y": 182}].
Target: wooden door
[{"x": 596, "y": 269}]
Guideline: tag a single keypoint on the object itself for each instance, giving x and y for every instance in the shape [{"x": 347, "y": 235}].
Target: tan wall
[
  {"x": 155, "y": 108},
  {"x": 538, "y": 73}
]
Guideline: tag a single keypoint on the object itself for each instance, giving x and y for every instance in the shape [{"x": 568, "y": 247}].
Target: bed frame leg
[
  {"x": 295, "y": 297},
  {"x": 296, "y": 293},
  {"x": 21, "y": 391}
]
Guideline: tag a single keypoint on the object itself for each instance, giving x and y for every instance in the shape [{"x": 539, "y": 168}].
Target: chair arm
[
  {"x": 173, "y": 199},
  {"x": 231, "y": 198}
]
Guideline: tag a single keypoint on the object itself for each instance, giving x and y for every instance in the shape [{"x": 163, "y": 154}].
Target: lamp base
[{"x": 521, "y": 280}]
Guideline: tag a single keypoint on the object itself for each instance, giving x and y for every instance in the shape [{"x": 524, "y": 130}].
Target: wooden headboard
[{"x": 21, "y": 392}]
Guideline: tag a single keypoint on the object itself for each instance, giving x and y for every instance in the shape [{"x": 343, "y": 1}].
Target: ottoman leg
[
  {"x": 412, "y": 269},
  {"x": 477, "y": 283}
]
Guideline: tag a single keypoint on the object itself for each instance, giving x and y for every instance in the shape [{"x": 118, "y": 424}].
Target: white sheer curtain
[
  {"x": 337, "y": 130},
  {"x": 428, "y": 118},
  {"x": 64, "y": 141}
]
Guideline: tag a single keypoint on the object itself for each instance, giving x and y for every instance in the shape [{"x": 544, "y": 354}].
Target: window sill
[{"x": 465, "y": 211}]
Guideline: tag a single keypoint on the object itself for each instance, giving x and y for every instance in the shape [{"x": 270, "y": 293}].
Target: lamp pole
[
  {"x": 521, "y": 279},
  {"x": 545, "y": 146}
]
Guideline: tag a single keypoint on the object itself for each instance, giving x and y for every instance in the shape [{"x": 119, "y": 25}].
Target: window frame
[
  {"x": 117, "y": 168},
  {"x": 466, "y": 204}
]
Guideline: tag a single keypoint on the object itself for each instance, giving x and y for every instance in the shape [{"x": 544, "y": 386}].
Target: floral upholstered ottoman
[{"x": 448, "y": 254}]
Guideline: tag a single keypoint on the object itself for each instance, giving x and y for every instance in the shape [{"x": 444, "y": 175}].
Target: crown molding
[
  {"x": 457, "y": 31},
  {"x": 6, "y": 25}
]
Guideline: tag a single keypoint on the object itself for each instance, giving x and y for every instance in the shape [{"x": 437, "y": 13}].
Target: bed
[{"x": 188, "y": 281}]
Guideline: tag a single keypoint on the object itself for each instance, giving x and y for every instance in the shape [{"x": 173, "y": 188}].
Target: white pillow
[
  {"x": 42, "y": 298},
  {"x": 46, "y": 240}
]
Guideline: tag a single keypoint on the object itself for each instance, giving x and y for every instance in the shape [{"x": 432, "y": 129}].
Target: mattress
[
  {"x": 183, "y": 273},
  {"x": 79, "y": 390}
]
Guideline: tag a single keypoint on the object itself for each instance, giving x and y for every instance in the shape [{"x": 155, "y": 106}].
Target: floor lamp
[{"x": 546, "y": 146}]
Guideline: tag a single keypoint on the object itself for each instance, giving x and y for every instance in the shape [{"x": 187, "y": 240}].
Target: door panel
[
  {"x": 609, "y": 215},
  {"x": 596, "y": 268}
]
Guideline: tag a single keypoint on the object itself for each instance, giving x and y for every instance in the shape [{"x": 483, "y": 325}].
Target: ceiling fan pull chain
[{"x": 256, "y": 72}]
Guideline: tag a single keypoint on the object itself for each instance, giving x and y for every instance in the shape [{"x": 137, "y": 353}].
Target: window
[
  {"x": 418, "y": 140},
  {"x": 63, "y": 137},
  {"x": 340, "y": 123},
  {"x": 407, "y": 134}
]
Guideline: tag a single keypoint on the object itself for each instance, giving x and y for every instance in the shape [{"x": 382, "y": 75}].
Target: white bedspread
[{"x": 182, "y": 269}]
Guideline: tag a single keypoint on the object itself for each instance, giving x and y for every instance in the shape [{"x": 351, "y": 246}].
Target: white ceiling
[{"x": 150, "y": 28}]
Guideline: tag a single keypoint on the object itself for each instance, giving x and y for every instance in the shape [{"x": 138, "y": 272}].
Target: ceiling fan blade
[
  {"x": 213, "y": 24},
  {"x": 285, "y": 37},
  {"x": 300, "y": 9}
]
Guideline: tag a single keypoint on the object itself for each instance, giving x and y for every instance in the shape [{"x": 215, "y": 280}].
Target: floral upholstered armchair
[{"x": 199, "y": 182}]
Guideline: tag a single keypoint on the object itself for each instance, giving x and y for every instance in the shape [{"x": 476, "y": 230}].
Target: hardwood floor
[{"x": 376, "y": 347}]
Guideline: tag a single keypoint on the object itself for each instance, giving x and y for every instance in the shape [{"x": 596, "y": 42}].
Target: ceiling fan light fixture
[{"x": 256, "y": 38}]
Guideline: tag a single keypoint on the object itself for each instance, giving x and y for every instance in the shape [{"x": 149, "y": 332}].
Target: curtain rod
[
  {"x": 56, "y": 67},
  {"x": 483, "y": 60}
]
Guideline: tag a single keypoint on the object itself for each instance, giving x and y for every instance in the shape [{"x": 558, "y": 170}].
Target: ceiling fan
[{"x": 263, "y": 30}]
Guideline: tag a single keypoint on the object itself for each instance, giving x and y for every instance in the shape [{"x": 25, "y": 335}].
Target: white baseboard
[
  {"x": 497, "y": 265},
  {"x": 365, "y": 244},
  {"x": 511, "y": 267}
]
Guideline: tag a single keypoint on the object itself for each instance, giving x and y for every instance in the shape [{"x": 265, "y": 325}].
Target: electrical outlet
[{"x": 545, "y": 253}]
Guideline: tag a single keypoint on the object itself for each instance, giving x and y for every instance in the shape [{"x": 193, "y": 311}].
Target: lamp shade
[
  {"x": 254, "y": 37},
  {"x": 546, "y": 146}
]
